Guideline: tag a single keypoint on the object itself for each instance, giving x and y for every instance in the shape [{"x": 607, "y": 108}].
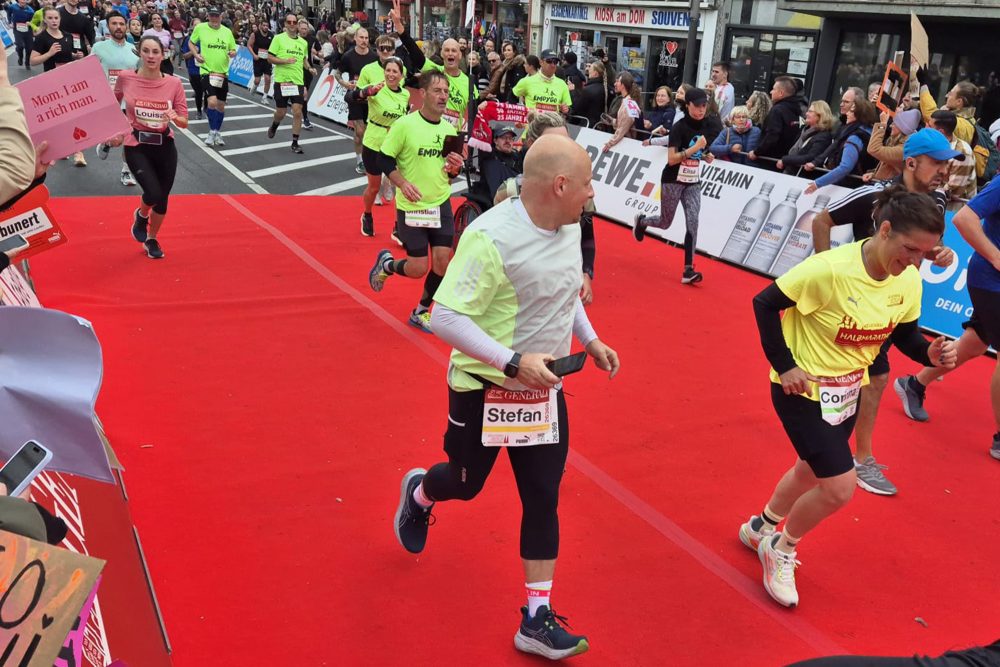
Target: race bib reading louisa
[
  {"x": 429, "y": 218},
  {"x": 216, "y": 80},
  {"x": 288, "y": 89},
  {"x": 520, "y": 418},
  {"x": 838, "y": 396},
  {"x": 689, "y": 171},
  {"x": 150, "y": 113}
]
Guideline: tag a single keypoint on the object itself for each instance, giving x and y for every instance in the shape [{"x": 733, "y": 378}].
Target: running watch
[{"x": 513, "y": 367}]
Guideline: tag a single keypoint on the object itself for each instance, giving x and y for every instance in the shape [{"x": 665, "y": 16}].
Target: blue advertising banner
[
  {"x": 5, "y": 35},
  {"x": 241, "y": 67},
  {"x": 946, "y": 302}
]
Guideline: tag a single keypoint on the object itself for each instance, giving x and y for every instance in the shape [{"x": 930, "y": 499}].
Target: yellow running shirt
[
  {"x": 543, "y": 94},
  {"x": 842, "y": 315},
  {"x": 458, "y": 95},
  {"x": 416, "y": 144}
]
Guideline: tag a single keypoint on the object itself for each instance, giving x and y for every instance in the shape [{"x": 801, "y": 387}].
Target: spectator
[
  {"x": 781, "y": 127},
  {"x": 873, "y": 89},
  {"x": 816, "y": 137},
  {"x": 17, "y": 154},
  {"x": 679, "y": 102},
  {"x": 477, "y": 72},
  {"x": 532, "y": 65},
  {"x": 660, "y": 117},
  {"x": 570, "y": 73},
  {"x": 739, "y": 138},
  {"x": 759, "y": 105},
  {"x": 503, "y": 162},
  {"x": 591, "y": 101},
  {"x": 961, "y": 99},
  {"x": 602, "y": 56},
  {"x": 724, "y": 95},
  {"x": 889, "y": 150},
  {"x": 848, "y": 154},
  {"x": 713, "y": 121},
  {"x": 506, "y": 76},
  {"x": 961, "y": 171},
  {"x": 847, "y": 99},
  {"x": 629, "y": 112}
]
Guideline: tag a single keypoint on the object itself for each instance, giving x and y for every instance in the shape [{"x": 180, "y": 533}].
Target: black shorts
[
  {"x": 357, "y": 111},
  {"x": 282, "y": 102},
  {"x": 985, "y": 316},
  {"x": 211, "y": 91},
  {"x": 262, "y": 68},
  {"x": 880, "y": 366},
  {"x": 370, "y": 160},
  {"x": 416, "y": 239},
  {"x": 826, "y": 448}
]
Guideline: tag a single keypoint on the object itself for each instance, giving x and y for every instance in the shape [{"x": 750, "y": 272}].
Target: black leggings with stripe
[{"x": 154, "y": 167}]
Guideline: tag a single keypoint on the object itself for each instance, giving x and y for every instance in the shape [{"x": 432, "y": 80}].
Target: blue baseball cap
[{"x": 931, "y": 143}]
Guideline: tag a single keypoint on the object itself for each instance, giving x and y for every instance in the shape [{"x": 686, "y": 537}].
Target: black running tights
[
  {"x": 154, "y": 167},
  {"x": 199, "y": 92},
  {"x": 537, "y": 470}
]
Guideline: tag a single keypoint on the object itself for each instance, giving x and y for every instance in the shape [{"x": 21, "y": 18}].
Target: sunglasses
[
  {"x": 291, "y": 22},
  {"x": 552, "y": 61},
  {"x": 386, "y": 49}
]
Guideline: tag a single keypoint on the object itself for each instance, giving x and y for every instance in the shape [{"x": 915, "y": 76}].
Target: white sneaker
[
  {"x": 750, "y": 537},
  {"x": 210, "y": 139},
  {"x": 779, "y": 572},
  {"x": 378, "y": 199},
  {"x": 387, "y": 190},
  {"x": 219, "y": 141},
  {"x": 128, "y": 178}
]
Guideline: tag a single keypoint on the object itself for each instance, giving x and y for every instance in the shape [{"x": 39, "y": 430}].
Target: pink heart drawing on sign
[
  {"x": 671, "y": 47},
  {"x": 79, "y": 134}
]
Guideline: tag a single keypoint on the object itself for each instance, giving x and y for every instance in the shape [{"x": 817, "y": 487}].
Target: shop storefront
[
  {"x": 499, "y": 20},
  {"x": 758, "y": 55},
  {"x": 649, "y": 42}
]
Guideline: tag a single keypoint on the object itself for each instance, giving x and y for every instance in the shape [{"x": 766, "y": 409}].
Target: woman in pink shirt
[
  {"x": 158, "y": 29},
  {"x": 153, "y": 100}
]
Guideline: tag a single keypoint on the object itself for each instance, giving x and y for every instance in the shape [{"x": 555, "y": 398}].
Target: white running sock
[{"x": 538, "y": 596}]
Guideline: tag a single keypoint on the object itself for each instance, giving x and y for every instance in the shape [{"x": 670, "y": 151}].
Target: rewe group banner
[{"x": 754, "y": 218}]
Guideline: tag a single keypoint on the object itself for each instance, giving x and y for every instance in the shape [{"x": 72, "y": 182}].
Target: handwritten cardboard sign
[
  {"x": 71, "y": 654},
  {"x": 42, "y": 591},
  {"x": 893, "y": 89},
  {"x": 28, "y": 225},
  {"x": 72, "y": 108}
]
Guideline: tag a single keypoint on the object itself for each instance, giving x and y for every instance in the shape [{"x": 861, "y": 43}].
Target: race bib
[
  {"x": 429, "y": 218},
  {"x": 289, "y": 89},
  {"x": 77, "y": 43},
  {"x": 216, "y": 80},
  {"x": 838, "y": 396},
  {"x": 520, "y": 418},
  {"x": 84, "y": 10},
  {"x": 455, "y": 119},
  {"x": 21, "y": 27},
  {"x": 113, "y": 76},
  {"x": 150, "y": 113},
  {"x": 546, "y": 107},
  {"x": 689, "y": 171},
  {"x": 262, "y": 54},
  {"x": 178, "y": 34}
]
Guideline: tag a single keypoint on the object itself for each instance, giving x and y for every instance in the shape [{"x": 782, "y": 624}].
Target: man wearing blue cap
[{"x": 926, "y": 156}]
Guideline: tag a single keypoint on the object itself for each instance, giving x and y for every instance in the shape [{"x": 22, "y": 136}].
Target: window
[{"x": 861, "y": 59}]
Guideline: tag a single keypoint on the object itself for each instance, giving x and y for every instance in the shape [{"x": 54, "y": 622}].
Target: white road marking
[
  {"x": 282, "y": 168},
  {"x": 337, "y": 187},
  {"x": 268, "y": 147}
]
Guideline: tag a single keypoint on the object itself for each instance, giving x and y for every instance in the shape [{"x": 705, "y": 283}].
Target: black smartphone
[
  {"x": 567, "y": 365},
  {"x": 453, "y": 144},
  {"x": 23, "y": 466}
]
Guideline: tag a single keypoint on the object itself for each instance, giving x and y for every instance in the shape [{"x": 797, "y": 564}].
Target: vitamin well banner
[{"x": 758, "y": 219}]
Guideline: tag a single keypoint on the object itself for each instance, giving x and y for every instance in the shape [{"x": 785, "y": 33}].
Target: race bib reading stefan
[
  {"x": 150, "y": 113},
  {"x": 838, "y": 396},
  {"x": 428, "y": 217},
  {"x": 520, "y": 418}
]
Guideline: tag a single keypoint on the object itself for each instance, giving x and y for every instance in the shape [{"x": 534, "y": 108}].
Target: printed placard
[
  {"x": 31, "y": 221},
  {"x": 893, "y": 89},
  {"x": 69, "y": 109},
  {"x": 44, "y": 589}
]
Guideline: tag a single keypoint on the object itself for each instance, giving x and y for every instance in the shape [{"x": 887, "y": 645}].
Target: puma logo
[{"x": 854, "y": 301}]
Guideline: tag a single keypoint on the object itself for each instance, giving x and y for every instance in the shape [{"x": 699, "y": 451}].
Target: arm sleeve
[
  {"x": 908, "y": 339},
  {"x": 17, "y": 152},
  {"x": 927, "y": 104},
  {"x": 767, "y": 307},
  {"x": 588, "y": 245},
  {"x": 582, "y": 328},
  {"x": 386, "y": 163},
  {"x": 659, "y": 141},
  {"x": 846, "y": 166},
  {"x": 416, "y": 55},
  {"x": 467, "y": 337}
]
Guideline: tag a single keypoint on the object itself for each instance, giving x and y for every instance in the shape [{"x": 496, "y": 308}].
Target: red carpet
[{"x": 265, "y": 406}]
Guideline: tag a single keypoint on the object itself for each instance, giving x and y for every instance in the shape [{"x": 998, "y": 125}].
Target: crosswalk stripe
[
  {"x": 337, "y": 187},
  {"x": 252, "y": 130},
  {"x": 305, "y": 164},
  {"x": 232, "y": 118},
  {"x": 256, "y": 149}
]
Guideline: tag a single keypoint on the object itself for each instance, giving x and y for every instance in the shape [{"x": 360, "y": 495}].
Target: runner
[
  {"x": 288, "y": 54},
  {"x": 516, "y": 284},
  {"x": 52, "y": 47},
  {"x": 687, "y": 148},
  {"x": 193, "y": 69},
  {"x": 80, "y": 27},
  {"x": 351, "y": 64},
  {"x": 20, "y": 17},
  {"x": 925, "y": 169},
  {"x": 546, "y": 91},
  {"x": 153, "y": 100},
  {"x": 413, "y": 157},
  {"x": 840, "y": 306},
  {"x": 213, "y": 45},
  {"x": 260, "y": 42},
  {"x": 116, "y": 56},
  {"x": 312, "y": 58},
  {"x": 387, "y": 101},
  {"x": 158, "y": 29}
]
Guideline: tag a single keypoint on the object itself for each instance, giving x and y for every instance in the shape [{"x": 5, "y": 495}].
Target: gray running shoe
[
  {"x": 911, "y": 393},
  {"x": 871, "y": 479},
  {"x": 377, "y": 275},
  {"x": 995, "y": 448}
]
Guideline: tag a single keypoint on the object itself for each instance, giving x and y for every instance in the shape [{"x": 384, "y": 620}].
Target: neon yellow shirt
[
  {"x": 384, "y": 109},
  {"x": 842, "y": 315},
  {"x": 416, "y": 144},
  {"x": 283, "y": 46},
  {"x": 214, "y": 46},
  {"x": 458, "y": 95},
  {"x": 373, "y": 73},
  {"x": 543, "y": 94}
]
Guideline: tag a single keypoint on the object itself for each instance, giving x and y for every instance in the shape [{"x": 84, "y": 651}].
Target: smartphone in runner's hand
[
  {"x": 453, "y": 144},
  {"x": 18, "y": 473},
  {"x": 564, "y": 366}
]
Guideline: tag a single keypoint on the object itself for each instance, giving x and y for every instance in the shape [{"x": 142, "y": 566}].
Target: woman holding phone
[{"x": 153, "y": 100}]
